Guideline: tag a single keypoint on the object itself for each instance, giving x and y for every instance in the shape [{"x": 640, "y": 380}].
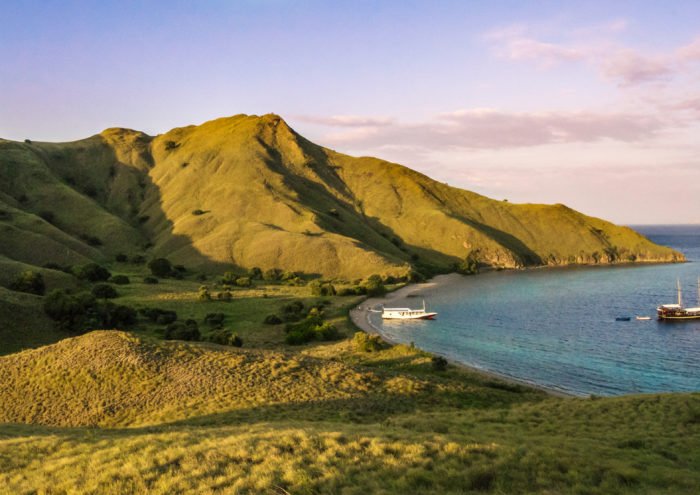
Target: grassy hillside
[
  {"x": 249, "y": 191},
  {"x": 192, "y": 417}
]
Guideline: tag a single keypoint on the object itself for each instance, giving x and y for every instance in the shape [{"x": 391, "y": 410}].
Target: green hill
[
  {"x": 180, "y": 418},
  {"x": 249, "y": 191}
]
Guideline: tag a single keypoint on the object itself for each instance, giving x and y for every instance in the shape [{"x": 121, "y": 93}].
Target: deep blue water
[{"x": 557, "y": 328}]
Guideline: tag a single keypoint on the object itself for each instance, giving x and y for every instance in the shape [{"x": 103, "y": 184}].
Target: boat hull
[{"x": 427, "y": 316}]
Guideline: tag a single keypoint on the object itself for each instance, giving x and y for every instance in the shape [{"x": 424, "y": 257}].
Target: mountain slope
[{"x": 249, "y": 191}]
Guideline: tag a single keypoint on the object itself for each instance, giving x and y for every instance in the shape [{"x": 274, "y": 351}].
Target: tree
[
  {"x": 104, "y": 291},
  {"x": 470, "y": 264},
  {"x": 374, "y": 286},
  {"x": 29, "y": 281},
  {"x": 160, "y": 267},
  {"x": 93, "y": 272},
  {"x": 204, "y": 294},
  {"x": 255, "y": 273}
]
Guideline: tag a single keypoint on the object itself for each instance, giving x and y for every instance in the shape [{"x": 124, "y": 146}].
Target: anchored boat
[
  {"x": 407, "y": 313},
  {"x": 678, "y": 311}
]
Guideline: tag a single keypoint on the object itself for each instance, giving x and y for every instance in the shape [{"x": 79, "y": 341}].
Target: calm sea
[{"x": 557, "y": 327}]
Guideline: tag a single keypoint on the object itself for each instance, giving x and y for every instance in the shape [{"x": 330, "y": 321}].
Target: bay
[{"x": 557, "y": 327}]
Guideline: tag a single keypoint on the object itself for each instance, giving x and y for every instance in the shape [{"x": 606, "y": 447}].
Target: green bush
[
  {"x": 322, "y": 289},
  {"x": 272, "y": 274},
  {"x": 374, "y": 286},
  {"x": 82, "y": 312},
  {"x": 226, "y": 337},
  {"x": 138, "y": 259},
  {"x": 204, "y": 294},
  {"x": 367, "y": 343},
  {"x": 29, "y": 281},
  {"x": 150, "y": 280},
  {"x": 229, "y": 278},
  {"x": 119, "y": 280},
  {"x": 470, "y": 264},
  {"x": 224, "y": 295},
  {"x": 104, "y": 291},
  {"x": 439, "y": 363},
  {"x": 244, "y": 282},
  {"x": 198, "y": 212},
  {"x": 160, "y": 267},
  {"x": 188, "y": 330},
  {"x": 311, "y": 328},
  {"x": 121, "y": 258},
  {"x": 293, "y": 311},
  {"x": 93, "y": 272},
  {"x": 272, "y": 320},
  {"x": 255, "y": 273},
  {"x": 160, "y": 316}
]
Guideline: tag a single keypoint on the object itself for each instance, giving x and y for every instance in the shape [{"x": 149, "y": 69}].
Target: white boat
[
  {"x": 678, "y": 311},
  {"x": 407, "y": 313},
  {"x": 643, "y": 318}
]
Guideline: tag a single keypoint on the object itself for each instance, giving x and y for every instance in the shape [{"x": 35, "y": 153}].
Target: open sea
[{"x": 556, "y": 327}]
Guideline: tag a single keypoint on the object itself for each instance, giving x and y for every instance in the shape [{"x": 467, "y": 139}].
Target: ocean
[{"x": 557, "y": 327}]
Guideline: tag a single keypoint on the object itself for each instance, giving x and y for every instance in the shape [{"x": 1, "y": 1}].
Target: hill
[
  {"x": 249, "y": 191},
  {"x": 191, "y": 417}
]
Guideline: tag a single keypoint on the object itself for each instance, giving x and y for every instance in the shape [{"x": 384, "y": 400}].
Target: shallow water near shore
[{"x": 556, "y": 327}]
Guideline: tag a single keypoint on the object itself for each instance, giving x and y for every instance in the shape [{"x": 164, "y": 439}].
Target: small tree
[
  {"x": 120, "y": 280},
  {"x": 470, "y": 264},
  {"x": 244, "y": 282},
  {"x": 374, "y": 286},
  {"x": 255, "y": 273},
  {"x": 93, "y": 272},
  {"x": 104, "y": 291},
  {"x": 367, "y": 343},
  {"x": 160, "y": 267},
  {"x": 229, "y": 278},
  {"x": 204, "y": 294},
  {"x": 439, "y": 363},
  {"x": 29, "y": 281}
]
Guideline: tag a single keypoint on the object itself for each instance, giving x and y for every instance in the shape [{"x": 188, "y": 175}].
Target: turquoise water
[{"x": 557, "y": 328}]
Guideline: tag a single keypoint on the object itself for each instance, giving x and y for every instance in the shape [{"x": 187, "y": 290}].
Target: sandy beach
[{"x": 360, "y": 317}]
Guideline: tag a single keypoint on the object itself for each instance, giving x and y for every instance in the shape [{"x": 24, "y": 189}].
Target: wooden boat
[
  {"x": 407, "y": 313},
  {"x": 677, "y": 311}
]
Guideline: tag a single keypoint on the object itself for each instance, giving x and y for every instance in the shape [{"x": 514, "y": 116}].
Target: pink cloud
[
  {"x": 631, "y": 68},
  {"x": 493, "y": 129},
  {"x": 346, "y": 120}
]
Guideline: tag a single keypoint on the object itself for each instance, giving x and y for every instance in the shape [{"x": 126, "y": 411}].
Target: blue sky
[{"x": 591, "y": 104}]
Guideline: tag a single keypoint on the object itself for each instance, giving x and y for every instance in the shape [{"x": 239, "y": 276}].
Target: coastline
[{"x": 359, "y": 316}]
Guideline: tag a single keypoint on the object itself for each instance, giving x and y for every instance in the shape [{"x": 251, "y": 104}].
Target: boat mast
[{"x": 678, "y": 284}]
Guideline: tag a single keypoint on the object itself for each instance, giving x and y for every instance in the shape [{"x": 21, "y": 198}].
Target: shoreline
[{"x": 359, "y": 316}]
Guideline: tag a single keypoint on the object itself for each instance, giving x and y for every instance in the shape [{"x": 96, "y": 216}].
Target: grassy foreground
[{"x": 117, "y": 412}]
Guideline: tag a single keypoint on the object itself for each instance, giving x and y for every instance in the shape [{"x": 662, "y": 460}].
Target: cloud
[
  {"x": 494, "y": 129},
  {"x": 615, "y": 62}
]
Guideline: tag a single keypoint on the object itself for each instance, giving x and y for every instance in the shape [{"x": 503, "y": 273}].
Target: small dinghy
[{"x": 623, "y": 318}]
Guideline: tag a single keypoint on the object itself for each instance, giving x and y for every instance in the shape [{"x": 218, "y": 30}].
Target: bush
[
  {"x": 229, "y": 278},
  {"x": 198, "y": 212},
  {"x": 82, "y": 312},
  {"x": 292, "y": 311},
  {"x": 311, "y": 328},
  {"x": 322, "y": 289},
  {"x": 374, "y": 286},
  {"x": 367, "y": 343},
  {"x": 224, "y": 295},
  {"x": 150, "y": 280},
  {"x": 255, "y": 273},
  {"x": 214, "y": 319},
  {"x": 179, "y": 268},
  {"x": 226, "y": 337},
  {"x": 121, "y": 258},
  {"x": 171, "y": 145},
  {"x": 138, "y": 259},
  {"x": 244, "y": 282},
  {"x": 204, "y": 294},
  {"x": 439, "y": 363},
  {"x": 120, "y": 280},
  {"x": 272, "y": 274},
  {"x": 104, "y": 291},
  {"x": 188, "y": 330},
  {"x": 272, "y": 320},
  {"x": 93, "y": 272},
  {"x": 160, "y": 316},
  {"x": 91, "y": 240},
  {"x": 160, "y": 267},
  {"x": 470, "y": 265},
  {"x": 29, "y": 281}
]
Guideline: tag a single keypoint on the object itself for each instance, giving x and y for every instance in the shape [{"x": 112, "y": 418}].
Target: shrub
[
  {"x": 120, "y": 280},
  {"x": 188, "y": 330},
  {"x": 272, "y": 320},
  {"x": 171, "y": 145},
  {"x": 226, "y": 337},
  {"x": 214, "y": 319},
  {"x": 272, "y": 274},
  {"x": 470, "y": 264},
  {"x": 138, "y": 259},
  {"x": 91, "y": 240},
  {"x": 255, "y": 273},
  {"x": 160, "y": 316},
  {"x": 93, "y": 272},
  {"x": 367, "y": 343},
  {"x": 104, "y": 291},
  {"x": 82, "y": 312},
  {"x": 179, "y": 268},
  {"x": 204, "y": 294},
  {"x": 229, "y": 278},
  {"x": 160, "y": 267},
  {"x": 198, "y": 212},
  {"x": 29, "y": 281},
  {"x": 150, "y": 280},
  {"x": 374, "y": 286},
  {"x": 311, "y": 328},
  {"x": 244, "y": 282},
  {"x": 439, "y": 363},
  {"x": 292, "y": 311},
  {"x": 322, "y": 288},
  {"x": 224, "y": 295},
  {"x": 121, "y": 258}
]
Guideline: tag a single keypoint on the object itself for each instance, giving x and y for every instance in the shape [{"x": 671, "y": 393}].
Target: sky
[{"x": 592, "y": 104}]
